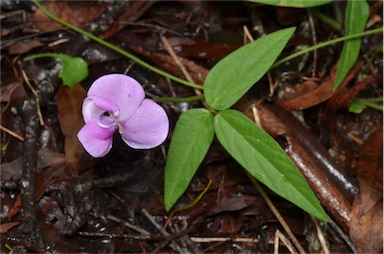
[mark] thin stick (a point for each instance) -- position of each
(277, 214)
(98, 234)
(173, 244)
(197, 239)
(320, 235)
(314, 40)
(12, 133)
(129, 225)
(172, 53)
(38, 109)
(285, 240)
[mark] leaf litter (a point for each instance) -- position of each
(77, 195)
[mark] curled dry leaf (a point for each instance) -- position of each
(309, 94)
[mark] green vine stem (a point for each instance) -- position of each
(327, 43)
(179, 100)
(375, 103)
(54, 55)
(113, 47)
(327, 20)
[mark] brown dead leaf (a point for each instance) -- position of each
(78, 13)
(370, 164)
(366, 228)
(7, 226)
(55, 172)
(14, 169)
(12, 94)
(24, 46)
(236, 203)
(69, 103)
(307, 94)
(15, 209)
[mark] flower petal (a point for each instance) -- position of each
(120, 89)
(147, 128)
(96, 140)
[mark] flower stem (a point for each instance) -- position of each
(327, 43)
(113, 47)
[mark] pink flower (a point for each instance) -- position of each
(117, 102)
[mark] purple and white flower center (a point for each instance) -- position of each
(109, 119)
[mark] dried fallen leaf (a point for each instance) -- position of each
(24, 46)
(15, 209)
(7, 226)
(366, 227)
(307, 94)
(69, 103)
(77, 13)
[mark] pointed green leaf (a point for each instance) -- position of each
(356, 16)
(293, 3)
(190, 142)
(264, 159)
(235, 74)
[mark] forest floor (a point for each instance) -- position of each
(57, 198)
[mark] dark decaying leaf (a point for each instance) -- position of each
(236, 203)
(366, 226)
(7, 226)
(14, 169)
(78, 14)
(69, 104)
(24, 46)
(366, 229)
(309, 94)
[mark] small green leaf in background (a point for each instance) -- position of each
(192, 137)
(356, 16)
(74, 70)
(293, 3)
(235, 74)
(356, 106)
(265, 160)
